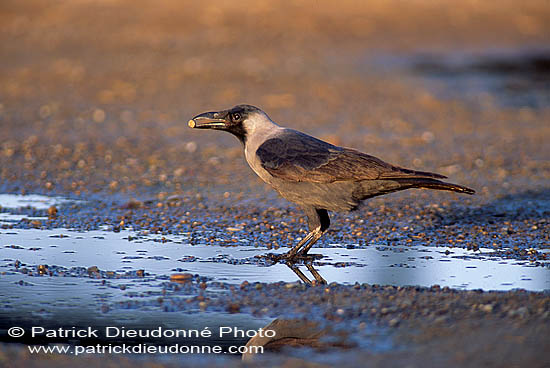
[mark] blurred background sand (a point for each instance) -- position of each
(95, 95)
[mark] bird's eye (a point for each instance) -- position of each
(236, 117)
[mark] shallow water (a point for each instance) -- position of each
(40, 202)
(11, 202)
(160, 256)
(70, 253)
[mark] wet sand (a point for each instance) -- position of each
(94, 100)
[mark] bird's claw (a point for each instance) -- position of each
(292, 258)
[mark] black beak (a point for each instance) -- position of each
(209, 120)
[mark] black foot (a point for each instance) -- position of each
(287, 258)
(307, 258)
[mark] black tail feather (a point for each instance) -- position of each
(430, 183)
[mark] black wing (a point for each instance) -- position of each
(296, 156)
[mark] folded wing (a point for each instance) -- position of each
(295, 156)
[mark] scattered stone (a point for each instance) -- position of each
(181, 277)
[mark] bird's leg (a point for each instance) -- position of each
(324, 222)
(292, 253)
(312, 238)
(318, 222)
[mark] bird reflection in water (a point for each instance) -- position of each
(318, 279)
(293, 264)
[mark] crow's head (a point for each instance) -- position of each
(240, 120)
